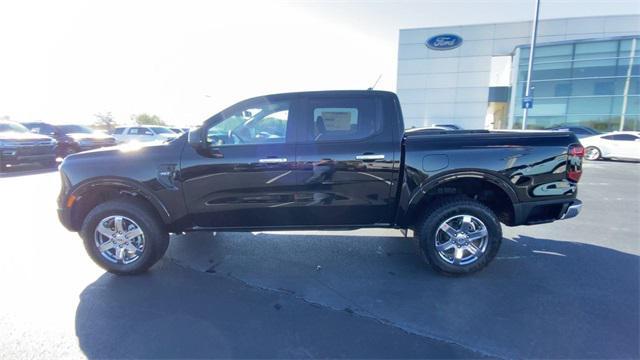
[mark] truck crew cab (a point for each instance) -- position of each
(320, 160)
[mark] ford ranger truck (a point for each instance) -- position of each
(320, 160)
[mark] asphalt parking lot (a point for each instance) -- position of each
(570, 289)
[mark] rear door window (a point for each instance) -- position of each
(624, 137)
(342, 119)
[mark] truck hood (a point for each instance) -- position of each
(10, 135)
(91, 136)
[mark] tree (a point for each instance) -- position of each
(147, 119)
(105, 122)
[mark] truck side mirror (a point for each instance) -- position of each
(196, 139)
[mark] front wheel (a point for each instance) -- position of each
(459, 236)
(124, 236)
(592, 153)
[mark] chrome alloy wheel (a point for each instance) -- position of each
(592, 153)
(119, 239)
(461, 240)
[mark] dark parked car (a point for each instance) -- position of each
(580, 131)
(19, 146)
(72, 138)
(321, 160)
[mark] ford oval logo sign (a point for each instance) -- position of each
(444, 42)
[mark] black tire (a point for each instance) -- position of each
(155, 236)
(592, 150)
(447, 208)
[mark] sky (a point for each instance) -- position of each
(64, 61)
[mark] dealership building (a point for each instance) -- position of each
(586, 71)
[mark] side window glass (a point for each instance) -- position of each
(118, 131)
(344, 119)
(133, 131)
(145, 131)
(625, 137)
(608, 137)
(260, 123)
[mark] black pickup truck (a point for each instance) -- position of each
(320, 160)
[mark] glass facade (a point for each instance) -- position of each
(587, 83)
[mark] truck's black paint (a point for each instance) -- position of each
(194, 186)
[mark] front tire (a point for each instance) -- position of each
(592, 153)
(124, 236)
(459, 236)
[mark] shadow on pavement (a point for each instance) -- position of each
(540, 298)
(174, 312)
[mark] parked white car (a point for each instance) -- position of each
(143, 134)
(624, 145)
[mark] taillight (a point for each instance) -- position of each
(574, 162)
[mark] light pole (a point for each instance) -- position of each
(527, 100)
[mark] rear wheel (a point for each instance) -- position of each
(592, 153)
(459, 236)
(124, 236)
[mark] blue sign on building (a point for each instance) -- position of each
(527, 102)
(444, 42)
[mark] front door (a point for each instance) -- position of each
(245, 177)
(346, 159)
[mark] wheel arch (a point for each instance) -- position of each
(489, 189)
(93, 192)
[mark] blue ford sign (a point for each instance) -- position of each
(444, 42)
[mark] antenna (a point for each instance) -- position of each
(375, 83)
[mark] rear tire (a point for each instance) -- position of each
(592, 153)
(458, 236)
(114, 247)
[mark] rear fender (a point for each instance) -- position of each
(415, 199)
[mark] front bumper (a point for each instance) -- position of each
(15, 158)
(64, 215)
(540, 212)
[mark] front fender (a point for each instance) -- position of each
(126, 185)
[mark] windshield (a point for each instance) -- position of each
(12, 127)
(75, 129)
(161, 130)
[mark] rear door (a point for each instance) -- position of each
(245, 178)
(345, 161)
(627, 146)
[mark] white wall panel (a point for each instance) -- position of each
(469, 110)
(474, 63)
(447, 80)
(473, 79)
(412, 81)
(472, 94)
(476, 47)
(585, 25)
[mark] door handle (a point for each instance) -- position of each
(273, 161)
(369, 157)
